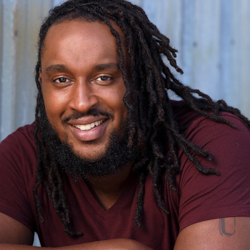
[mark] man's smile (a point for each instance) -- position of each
(88, 127)
(89, 131)
(83, 86)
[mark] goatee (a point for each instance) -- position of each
(117, 156)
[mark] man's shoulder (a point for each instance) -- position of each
(18, 154)
(19, 143)
(205, 197)
(17, 175)
(185, 116)
(22, 133)
(190, 120)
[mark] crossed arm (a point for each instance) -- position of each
(225, 233)
(16, 236)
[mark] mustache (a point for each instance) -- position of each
(92, 112)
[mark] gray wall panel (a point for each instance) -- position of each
(1, 59)
(8, 86)
(21, 68)
(226, 49)
(213, 39)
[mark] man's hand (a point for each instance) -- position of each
(225, 233)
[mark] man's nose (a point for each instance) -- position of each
(83, 97)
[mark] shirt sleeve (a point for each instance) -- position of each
(15, 178)
(205, 197)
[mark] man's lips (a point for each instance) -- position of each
(89, 126)
(88, 131)
(86, 120)
(91, 116)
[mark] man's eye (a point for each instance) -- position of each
(61, 80)
(104, 78)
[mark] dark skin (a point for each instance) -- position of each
(212, 235)
(108, 189)
(72, 82)
(92, 79)
(68, 87)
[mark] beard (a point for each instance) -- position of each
(118, 154)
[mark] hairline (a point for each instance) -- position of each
(90, 18)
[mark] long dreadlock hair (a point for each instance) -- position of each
(150, 114)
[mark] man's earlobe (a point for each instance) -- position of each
(40, 77)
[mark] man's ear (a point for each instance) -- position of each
(40, 78)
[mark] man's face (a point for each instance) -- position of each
(82, 85)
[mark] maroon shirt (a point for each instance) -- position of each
(198, 197)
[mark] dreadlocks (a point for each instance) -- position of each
(150, 116)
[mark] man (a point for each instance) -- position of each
(111, 162)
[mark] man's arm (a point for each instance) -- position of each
(14, 232)
(225, 233)
(15, 236)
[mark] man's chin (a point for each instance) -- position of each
(80, 163)
(88, 155)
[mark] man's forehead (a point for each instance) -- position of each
(82, 20)
(87, 36)
(98, 67)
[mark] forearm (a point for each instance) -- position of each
(115, 244)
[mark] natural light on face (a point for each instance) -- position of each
(82, 85)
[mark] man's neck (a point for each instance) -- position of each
(107, 189)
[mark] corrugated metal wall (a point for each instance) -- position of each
(212, 36)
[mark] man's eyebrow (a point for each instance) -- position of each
(56, 67)
(106, 66)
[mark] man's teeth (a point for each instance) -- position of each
(89, 126)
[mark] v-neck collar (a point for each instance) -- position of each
(125, 199)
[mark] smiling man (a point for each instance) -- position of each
(110, 161)
(83, 92)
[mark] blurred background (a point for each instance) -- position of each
(212, 36)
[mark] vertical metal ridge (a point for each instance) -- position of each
(8, 89)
